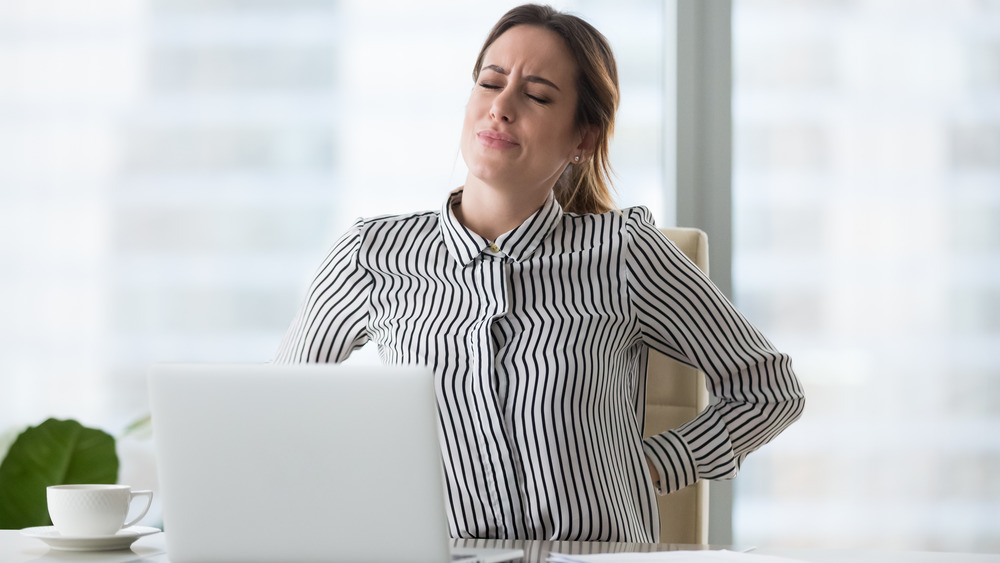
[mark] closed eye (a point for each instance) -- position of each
(537, 99)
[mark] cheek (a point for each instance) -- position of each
(473, 111)
(561, 137)
(468, 121)
(467, 129)
(470, 115)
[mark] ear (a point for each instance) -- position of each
(588, 141)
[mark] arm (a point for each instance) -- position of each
(684, 316)
(332, 322)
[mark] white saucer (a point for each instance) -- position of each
(122, 540)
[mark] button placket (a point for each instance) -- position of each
(493, 452)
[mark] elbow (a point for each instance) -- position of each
(798, 406)
(796, 401)
(786, 412)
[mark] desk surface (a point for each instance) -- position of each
(17, 548)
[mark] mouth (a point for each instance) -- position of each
(496, 139)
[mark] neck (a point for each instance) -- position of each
(491, 212)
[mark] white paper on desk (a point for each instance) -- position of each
(707, 556)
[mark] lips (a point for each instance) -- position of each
(496, 139)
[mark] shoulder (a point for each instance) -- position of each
(366, 229)
(638, 216)
(389, 225)
(615, 229)
(615, 226)
(642, 234)
(616, 219)
(634, 213)
(398, 221)
(639, 223)
(396, 233)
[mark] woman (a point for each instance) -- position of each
(535, 304)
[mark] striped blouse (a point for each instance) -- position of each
(538, 343)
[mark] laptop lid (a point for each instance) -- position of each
(299, 463)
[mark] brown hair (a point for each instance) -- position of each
(584, 187)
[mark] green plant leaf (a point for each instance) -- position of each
(56, 452)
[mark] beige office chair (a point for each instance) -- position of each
(675, 394)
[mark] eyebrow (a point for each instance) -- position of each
(529, 78)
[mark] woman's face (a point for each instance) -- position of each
(519, 131)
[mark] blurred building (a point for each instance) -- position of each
(866, 193)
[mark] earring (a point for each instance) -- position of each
(576, 158)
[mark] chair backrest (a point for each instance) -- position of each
(675, 394)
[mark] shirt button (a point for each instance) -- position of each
(494, 248)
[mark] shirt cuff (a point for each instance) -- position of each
(707, 439)
(673, 462)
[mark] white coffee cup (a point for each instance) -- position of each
(93, 510)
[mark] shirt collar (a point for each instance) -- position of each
(518, 243)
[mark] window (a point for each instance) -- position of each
(173, 171)
(866, 204)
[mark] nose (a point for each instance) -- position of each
(502, 108)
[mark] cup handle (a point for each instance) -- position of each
(149, 502)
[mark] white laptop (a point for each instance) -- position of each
(301, 463)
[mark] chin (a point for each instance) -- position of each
(486, 172)
(484, 176)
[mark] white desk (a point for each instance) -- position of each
(16, 548)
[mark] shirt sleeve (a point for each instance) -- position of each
(755, 394)
(332, 322)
